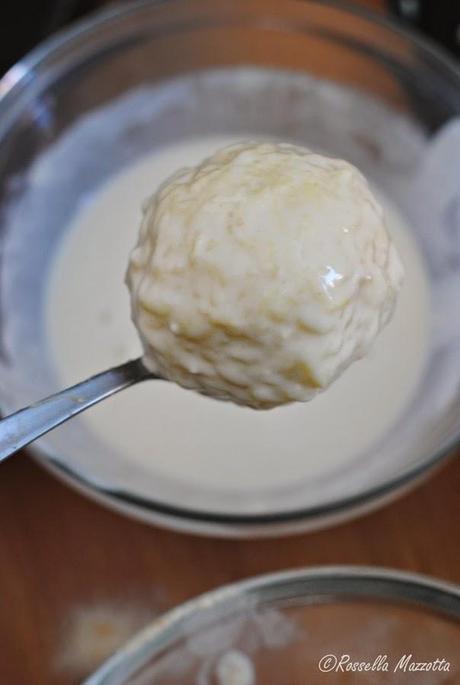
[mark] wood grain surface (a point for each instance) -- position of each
(71, 571)
(77, 580)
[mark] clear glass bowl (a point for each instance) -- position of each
(300, 627)
(340, 79)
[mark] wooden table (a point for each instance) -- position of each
(76, 580)
(75, 577)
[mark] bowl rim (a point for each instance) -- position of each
(222, 524)
(196, 520)
(95, 19)
(324, 583)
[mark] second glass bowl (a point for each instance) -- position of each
(335, 625)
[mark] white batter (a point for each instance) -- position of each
(193, 438)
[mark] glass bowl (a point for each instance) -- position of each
(301, 626)
(97, 97)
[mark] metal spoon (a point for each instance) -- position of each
(26, 425)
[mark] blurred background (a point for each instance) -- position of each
(439, 19)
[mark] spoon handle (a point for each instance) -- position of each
(19, 429)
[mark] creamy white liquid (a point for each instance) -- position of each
(179, 434)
